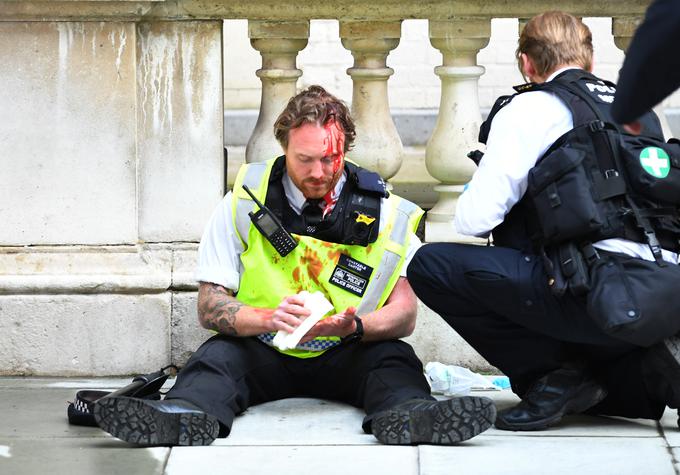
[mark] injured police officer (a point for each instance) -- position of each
(576, 301)
(301, 237)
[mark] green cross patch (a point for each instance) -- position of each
(655, 161)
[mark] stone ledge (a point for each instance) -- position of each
(97, 270)
(84, 335)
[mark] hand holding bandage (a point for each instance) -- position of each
(318, 305)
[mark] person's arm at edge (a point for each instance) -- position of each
(649, 72)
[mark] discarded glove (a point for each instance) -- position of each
(453, 380)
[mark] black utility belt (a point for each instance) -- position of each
(628, 298)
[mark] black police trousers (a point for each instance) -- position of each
(226, 375)
(499, 301)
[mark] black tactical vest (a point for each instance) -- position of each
(596, 181)
(347, 223)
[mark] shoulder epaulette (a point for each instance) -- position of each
(529, 86)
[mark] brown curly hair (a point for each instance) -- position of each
(314, 105)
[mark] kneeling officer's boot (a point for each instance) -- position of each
(558, 393)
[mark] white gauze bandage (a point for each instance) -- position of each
(318, 305)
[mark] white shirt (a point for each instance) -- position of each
(219, 254)
(521, 133)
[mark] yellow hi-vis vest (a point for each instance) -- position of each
(268, 278)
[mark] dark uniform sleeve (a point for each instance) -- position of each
(651, 70)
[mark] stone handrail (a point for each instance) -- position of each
(387, 10)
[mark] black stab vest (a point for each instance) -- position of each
(361, 195)
(589, 185)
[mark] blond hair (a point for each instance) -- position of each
(317, 106)
(553, 39)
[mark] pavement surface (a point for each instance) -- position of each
(298, 436)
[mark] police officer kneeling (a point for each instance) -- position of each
(308, 221)
(576, 302)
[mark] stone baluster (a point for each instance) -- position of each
(377, 146)
(459, 118)
(623, 29)
(278, 43)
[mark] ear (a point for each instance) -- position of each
(528, 66)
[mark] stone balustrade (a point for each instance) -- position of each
(111, 155)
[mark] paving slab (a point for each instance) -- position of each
(329, 460)
(312, 421)
(549, 455)
(79, 456)
(36, 408)
(298, 435)
(669, 426)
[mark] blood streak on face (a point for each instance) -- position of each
(335, 149)
(335, 143)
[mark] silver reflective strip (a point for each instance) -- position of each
(389, 260)
(400, 229)
(378, 282)
(252, 180)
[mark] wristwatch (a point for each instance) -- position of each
(358, 333)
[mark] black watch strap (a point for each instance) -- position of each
(358, 333)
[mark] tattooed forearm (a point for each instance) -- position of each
(217, 308)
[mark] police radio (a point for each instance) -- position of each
(271, 228)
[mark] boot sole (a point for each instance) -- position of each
(136, 422)
(447, 423)
(573, 407)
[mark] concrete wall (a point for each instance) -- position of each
(110, 141)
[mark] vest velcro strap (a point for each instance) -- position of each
(613, 185)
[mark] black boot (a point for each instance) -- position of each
(558, 393)
(422, 421)
(150, 423)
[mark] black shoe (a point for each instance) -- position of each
(152, 423)
(422, 421)
(561, 392)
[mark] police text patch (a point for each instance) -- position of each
(351, 275)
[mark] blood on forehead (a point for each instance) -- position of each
(334, 143)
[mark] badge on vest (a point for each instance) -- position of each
(600, 91)
(351, 275)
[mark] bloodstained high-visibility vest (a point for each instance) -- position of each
(347, 275)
